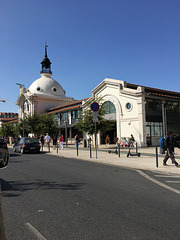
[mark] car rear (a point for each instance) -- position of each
(31, 145)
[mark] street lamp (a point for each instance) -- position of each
(66, 122)
(3, 101)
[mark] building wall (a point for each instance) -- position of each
(129, 121)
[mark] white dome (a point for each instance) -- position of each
(47, 86)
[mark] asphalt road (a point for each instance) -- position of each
(50, 198)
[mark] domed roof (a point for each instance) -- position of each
(47, 86)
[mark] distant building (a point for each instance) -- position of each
(7, 117)
(67, 115)
(44, 93)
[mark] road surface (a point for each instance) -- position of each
(51, 198)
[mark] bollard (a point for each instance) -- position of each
(57, 147)
(49, 146)
(156, 156)
(119, 149)
(136, 148)
(42, 148)
(77, 149)
(90, 150)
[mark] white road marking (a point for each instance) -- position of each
(40, 210)
(35, 232)
(173, 181)
(168, 176)
(158, 182)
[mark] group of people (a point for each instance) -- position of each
(118, 141)
(46, 140)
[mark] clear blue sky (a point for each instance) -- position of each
(133, 40)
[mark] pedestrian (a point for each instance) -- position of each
(77, 140)
(61, 142)
(54, 142)
(169, 144)
(10, 141)
(117, 141)
(47, 140)
(107, 141)
(131, 141)
(42, 141)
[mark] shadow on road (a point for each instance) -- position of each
(14, 155)
(16, 188)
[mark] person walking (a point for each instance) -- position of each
(131, 141)
(169, 144)
(61, 142)
(54, 142)
(10, 141)
(42, 141)
(47, 140)
(107, 141)
(77, 139)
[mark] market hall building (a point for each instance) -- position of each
(147, 113)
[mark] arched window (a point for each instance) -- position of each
(109, 107)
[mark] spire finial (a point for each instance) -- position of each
(46, 49)
(46, 64)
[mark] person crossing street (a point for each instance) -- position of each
(169, 144)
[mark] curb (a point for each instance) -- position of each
(115, 165)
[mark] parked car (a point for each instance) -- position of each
(27, 144)
(4, 154)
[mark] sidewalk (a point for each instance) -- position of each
(147, 160)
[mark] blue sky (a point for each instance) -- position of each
(133, 40)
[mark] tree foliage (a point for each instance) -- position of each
(86, 123)
(35, 124)
(7, 130)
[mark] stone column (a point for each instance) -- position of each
(142, 120)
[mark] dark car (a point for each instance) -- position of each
(4, 154)
(27, 144)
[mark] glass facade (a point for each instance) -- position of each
(172, 115)
(75, 115)
(64, 117)
(109, 107)
(153, 110)
(155, 116)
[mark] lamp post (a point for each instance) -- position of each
(66, 122)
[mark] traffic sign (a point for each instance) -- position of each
(95, 106)
(95, 116)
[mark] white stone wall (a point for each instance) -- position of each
(129, 121)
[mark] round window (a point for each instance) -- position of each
(54, 89)
(38, 88)
(128, 106)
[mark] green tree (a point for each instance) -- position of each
(86, 123)
(48, 125)
(7, 130)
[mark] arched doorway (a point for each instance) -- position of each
(110, 116)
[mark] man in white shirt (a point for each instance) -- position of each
(47, 140)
